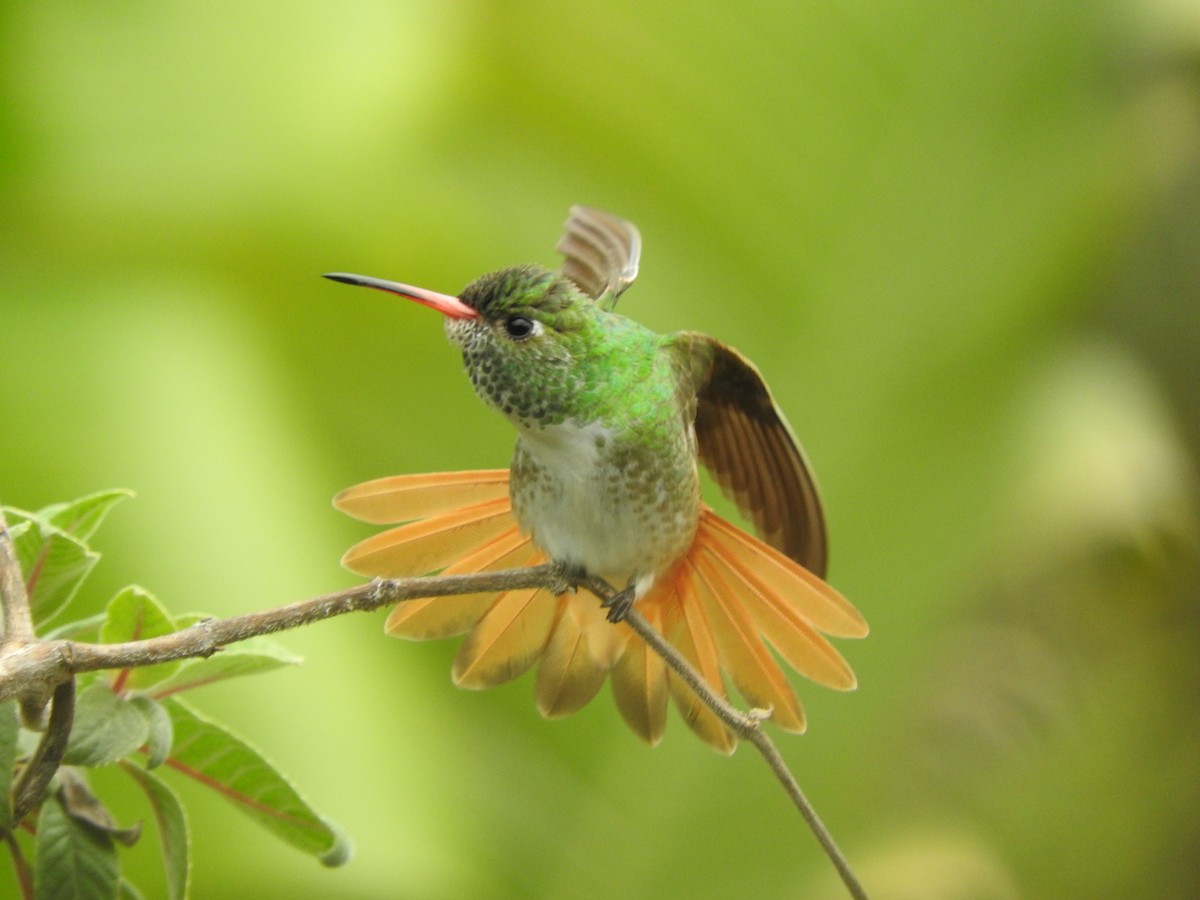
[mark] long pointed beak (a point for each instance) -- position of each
(448, 306)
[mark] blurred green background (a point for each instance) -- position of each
(960, 240)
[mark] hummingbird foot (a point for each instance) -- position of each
(619, 604)
(566, 578)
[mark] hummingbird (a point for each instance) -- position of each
(613, 421)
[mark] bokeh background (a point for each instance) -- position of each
(960, 240)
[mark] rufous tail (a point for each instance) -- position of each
(724, 606)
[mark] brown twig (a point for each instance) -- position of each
(745, 725)
(34, 668)
(38, 666)
(31, 788)
(14, 601)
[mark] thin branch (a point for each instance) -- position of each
(14, 601)
(36, 667)
(29, 791)
(32, 669)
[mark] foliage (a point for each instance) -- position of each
(133, 720)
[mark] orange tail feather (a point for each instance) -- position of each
(581, 651)
(427, 545)
(639, 684)
(811, 597)
(508, 639)
(716, 605)
(749, 663)
(432, 618)
(686, 627)
(773, 610)
(402, 498)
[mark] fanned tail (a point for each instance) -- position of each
(723, 606)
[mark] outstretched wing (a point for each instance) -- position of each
(746, 444)
(602, 253)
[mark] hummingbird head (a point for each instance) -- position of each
(525, 334)
(526, 350)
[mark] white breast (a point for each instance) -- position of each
(573, 509)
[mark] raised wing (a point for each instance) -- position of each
(746, 444)
(602, 253)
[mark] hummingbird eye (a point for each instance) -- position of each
(521, 327)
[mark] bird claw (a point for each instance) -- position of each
(619, 604)
(566, 579)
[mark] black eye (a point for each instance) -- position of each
(519, 327)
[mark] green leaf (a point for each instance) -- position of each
(106, 727)
(248, 657)
(74, 861)
(54, 564)
(215, 757)
(77, 629)
(162, 731)
(133, 615)
(172, 829)
(83, 516)
(9, 731)
(52, 550)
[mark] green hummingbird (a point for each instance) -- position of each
(612, 422)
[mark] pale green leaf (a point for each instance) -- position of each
(106, 727)
(74, 861)
(82, 517)
(54, 564)
(172, 829)
(249, 657)
(208, 752)
(133, 615)
(77, 630)
(161, 730)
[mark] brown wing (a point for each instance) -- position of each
(601, 253)
(748, 447)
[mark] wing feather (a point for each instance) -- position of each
(602, 253)
(746, 444)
